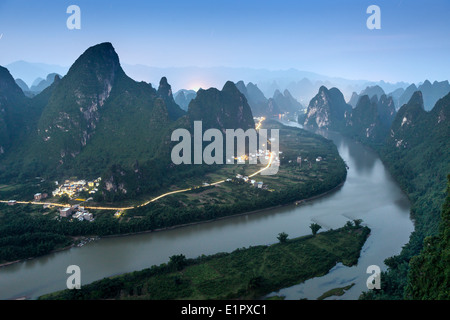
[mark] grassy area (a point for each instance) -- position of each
(245, 273)
(335, 292)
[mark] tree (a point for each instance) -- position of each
(357, 222)
(255, 282)
(282, 237)
(178, 261)
(64, 199)
(349, 224)
(314, 228)
(83, 194)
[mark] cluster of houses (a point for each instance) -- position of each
(71, 188)
(76, 212)
(253, 157)
(259, 184)
(299, 160)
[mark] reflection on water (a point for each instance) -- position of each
(363, 158)
(369, 193)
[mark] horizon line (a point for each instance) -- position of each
(318, 75)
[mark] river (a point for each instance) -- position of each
(369, 193)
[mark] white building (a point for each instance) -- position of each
(65, 212)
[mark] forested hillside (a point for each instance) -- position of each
(417, 153)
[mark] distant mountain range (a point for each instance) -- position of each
(261, 106)
(38, 86)
(286, 102)
(302, 85)
(431, 92)
(183, 97)
(374, 113)
(370, 91)
(30, 71)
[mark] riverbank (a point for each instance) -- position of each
(247, 273)
(31, 258)
(297, 202)
(74, 244)
(79, 239)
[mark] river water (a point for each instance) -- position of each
(369, 193)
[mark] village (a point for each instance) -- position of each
(76, 189)
(73, 188)
(259, 184)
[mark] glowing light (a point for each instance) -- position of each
(196, 86)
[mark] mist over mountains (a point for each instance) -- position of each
(273, 93)
(183, 97)
(302, 85)
(28, 72)
(38, 85)
(432, 92)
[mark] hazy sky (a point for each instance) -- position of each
(329, 37)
